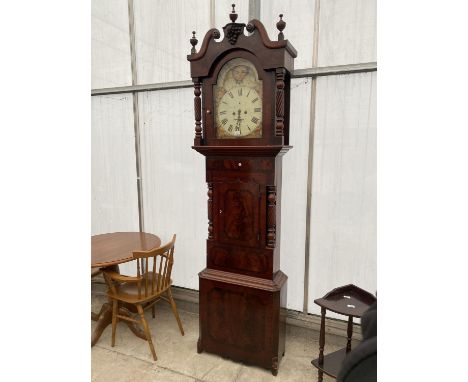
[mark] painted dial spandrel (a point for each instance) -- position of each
(238, 101)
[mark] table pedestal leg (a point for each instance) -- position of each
(95, 317)
(104, 319)
(321, 344)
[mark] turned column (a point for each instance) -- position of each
(321, 344)
(350, 334)
(197, 107)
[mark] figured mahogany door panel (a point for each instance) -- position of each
(237, 319)
(237, 213)
(245, 260)
(240, 323)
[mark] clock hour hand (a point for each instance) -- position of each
(238, 120)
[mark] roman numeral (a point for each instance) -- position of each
(222, 112)
(255, 100)
(248, 127)
(231, 95)
(248, 93)
(255, 120)
(257, 110)
(230, 128)
(239, 92)
(224, 121)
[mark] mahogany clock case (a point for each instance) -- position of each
(242, 289)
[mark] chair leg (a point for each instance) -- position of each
(152, 311)
(147, 331)
(114, 320)
(174, 310)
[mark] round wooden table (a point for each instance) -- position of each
(108, 251)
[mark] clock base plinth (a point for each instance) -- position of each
(243, 318)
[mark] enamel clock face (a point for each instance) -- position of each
(238, 101)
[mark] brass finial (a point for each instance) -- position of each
(233, 14)
(280, 25)
(194, 42)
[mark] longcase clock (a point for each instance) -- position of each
(242, 84)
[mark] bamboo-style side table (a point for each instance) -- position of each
(350, 301)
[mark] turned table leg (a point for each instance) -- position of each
(350, 334)
(321, 344)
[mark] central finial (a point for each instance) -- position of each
(281, 25)
(233, 14)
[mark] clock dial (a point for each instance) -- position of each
(238, 101)
(239, 113)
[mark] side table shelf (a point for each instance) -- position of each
(331, 362)
(350, 301)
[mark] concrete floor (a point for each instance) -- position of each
(178, 361)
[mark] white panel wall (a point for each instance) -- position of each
(162, 33)
(347, 32)
(294, 194)
(114, 197)
(342, 226)
(343, 221)
(110, 44)
(299, 17)
(223, 8)
(174, 188)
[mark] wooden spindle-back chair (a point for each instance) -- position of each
(151, 284)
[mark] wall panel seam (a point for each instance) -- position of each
(313, 93)
(136, 116)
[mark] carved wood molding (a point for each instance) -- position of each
(271, 216)
(252, 26)
(248, 281)
(233, 31)
(197, 107)
(210, 211)
(279, 125)
(256, 24)
(213, 33)
(252, 151)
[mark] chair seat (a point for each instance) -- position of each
(128, 291)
